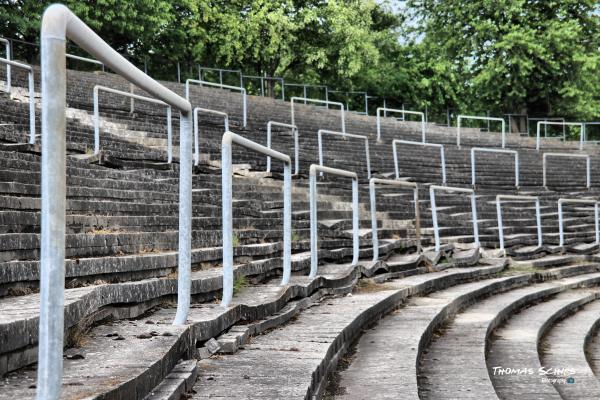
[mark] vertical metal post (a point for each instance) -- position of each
(296, 151)
(474, 216)
(287, 223)
(31, 107)
(8, 69)
(53, 190)
(327, 96)
(596, 223)
(500, 227)
(314, 232)
(458, 132)
(443, 159)
(355, 223)
(96, 122)
(417, 218)
(178, 72)
(282, 90)
(538, 218)
(226, 194)
(374, 221)
(366, 104)
(221, 77)
(560, 225)
(305, 93)
(169, 137)
(145, 65)
(320, 146)
(131, 99)
(262, 86)
(368, 158)
(184, 272)
(517, 169)
(378, 120)
(588, 168)
(434, 220)
(473, 166)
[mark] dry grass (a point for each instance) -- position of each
(370, 286)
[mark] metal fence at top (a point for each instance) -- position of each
(320, 133)
(202, 74)
(402, 184)
(561, 220)
(408, 142)
(475, 117)
(222, 86)
(229, 138)
(99, 88)
(29, 70)
(347, 95)
(58, 24)
(513, 198)
(564, 125)
(294, 130)
(198, 110)
(588, 165)
(262, 80)
(487, 150)
(314, 232)
(317, 101)
(305, 88)
(403, 112)
(7, 56)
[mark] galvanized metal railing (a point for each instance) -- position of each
(402, 184)
(99, 88)
(320, 133)
(29, 70)
(461, 117)
(487, 150)
(197, 128)
(306, 86)
(58, 24)
(588, 165)
(314, 232)
(227, 198)
(222, 86)
(564, 125)
(238, 72)
(262, 80)
(347, 95)
(8, 56)
(561, 219)
(513, 198)
(408, 142)
(85, 59)
(392, 110)
(294, 129)
(436, 230)
(333, 103)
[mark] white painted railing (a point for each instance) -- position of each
(222, 86)
(588, 165)
(294, 129)
(407, 142)
(563, 124)
(198, 110)
(436, 230)
(317, 101)
(320, 134)
(487, 150)
(392, 110)
(31, 93)
(561, 221)
(512, 198)
(461, 117)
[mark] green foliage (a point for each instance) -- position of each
(235, 240)
(239, 283)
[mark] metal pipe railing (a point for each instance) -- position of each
(262, 80)
(508, 197)
(403, 184)
(58, 24)
(392, 110)
(436, 231)
(395, 142)
(220, 71)
(305, 86)
(561, 219)
(8, 56)
(29, 70)
(588, 165)
(347, 94)
(534, 119)
(197, 128)
(99, 88)
(227, 198)
(333, 103)
(320, 133)
(461, 117)
(219, 85)
(511, 116)
(314, 257)
(487, 150)
(85, 59)
(294, 129)
(564, 125)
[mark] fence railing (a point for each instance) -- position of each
(408, 142)
(229, 138)
(202, 69)
(561, 221)
(222, 86)
(564, 125)
(305, 92)
(487, 150)
(262, 80)
(448, 189)
(58, 24)
(588, 165)
(307, 100)
(320, 133)
(198, 110)
(461, 117)
(402, 184)
(347, 96)
(294, 129)
(29, 70)
(513, 198)
(392, 110)
(7, 56)
(314, 231)
(85, 59)
(535, 119)
(585, 131)
(99, 88)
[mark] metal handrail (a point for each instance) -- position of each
(488, 150)
(563, 124)
(85, 59)
(58, 23)
(588, 165)
(349, 92)
(437, 145)
(393, 110)
(294, 129)
(436, 231)
(404, 184)
(461, 117)
(222, 86)
(220, 71)
(262, 83)
(99, 88)
(305, 86)
(7, 57)
(509, 197)
(517, 115)
(333, 103)
(196, 129)
(29, 70)
(314, 257)
(585, 125)
(320, 133)
(226, 176)
(561, 220)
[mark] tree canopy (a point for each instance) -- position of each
(539, 57)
